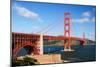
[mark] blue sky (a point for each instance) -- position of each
(30, 17)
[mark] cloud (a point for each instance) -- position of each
(92, 36)
(86, 17)
(93, 19)
(83, 20)
(35, 27)
(22, 11)
(86, 14)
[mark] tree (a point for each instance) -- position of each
(26, 61)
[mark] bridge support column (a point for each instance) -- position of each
(41, 44)
(84, 39)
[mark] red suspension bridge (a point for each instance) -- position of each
(22, 40)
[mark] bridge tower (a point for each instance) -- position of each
(67, 30)
(84, 38)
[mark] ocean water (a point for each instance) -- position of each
(80, 53)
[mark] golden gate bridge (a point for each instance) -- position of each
(21, 40)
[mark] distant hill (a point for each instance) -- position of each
(91, 42)
(60, 42)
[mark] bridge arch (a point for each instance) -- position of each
(25, 50)
(33, 48)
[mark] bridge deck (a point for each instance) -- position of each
(37, 36)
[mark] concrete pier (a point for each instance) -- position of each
(68, 50)
(45, 59)
(41, 44)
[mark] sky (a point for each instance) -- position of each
(47, 18)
